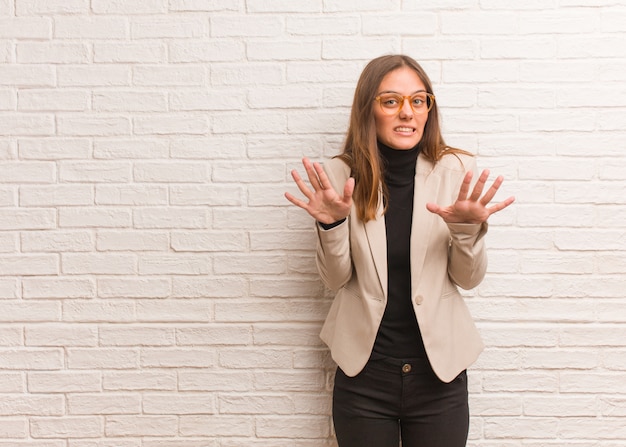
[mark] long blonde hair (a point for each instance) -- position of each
(360, 150)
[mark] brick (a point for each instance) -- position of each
(312, 427)
(264, 50)
(213, 195)
(53, 148)
(201, 5)
(103, 358)
(255, 404)
(321, 25)
(136, 336)
(364, 5)
(212, 241)
(67, 427)
(29, 265)
(31, 359)
(131, 241)
(225, 74)
(222, 426)
(169, 27)
(61, 336)
(104, 403)
(22, 124)
(96, 76)
(90, 27)
(14, 428)
(215, 334)
(95, 263)
(240, 26)
(142, 53)
(64, 382)
(192, 100)
(217, 287)
(216, 380)
(173, 358)
(44, 7)
(133, 287)
(56, 241)
(16, 405)
(131, 195)
(114, 149)
(202, 51)
(51, 100)
(44, 288)
(172, 217)
(174, 310)
(190, 124)
(174, 264)
(52, 53)
(116, 7)
(98, 311)
(57, 195)
(10, 336)
(208, 148)
(130, 101)
(25, 28)
(171, 403)
(168, 75)
(93, 217)
(136, 381)
(130, 426)
(93, 125)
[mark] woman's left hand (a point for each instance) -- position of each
(472, 208)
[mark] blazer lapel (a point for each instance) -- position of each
(427, 183)
(377, 240)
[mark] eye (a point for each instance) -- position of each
(419, 100)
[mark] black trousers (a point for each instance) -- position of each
(393, 400)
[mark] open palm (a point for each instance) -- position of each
(324, 204)
(472, 208)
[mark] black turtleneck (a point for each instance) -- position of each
(399, 335)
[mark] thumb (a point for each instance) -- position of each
(433, 207)
(348, 190)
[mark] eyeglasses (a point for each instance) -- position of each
(392, 103)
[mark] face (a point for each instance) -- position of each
(401, 130)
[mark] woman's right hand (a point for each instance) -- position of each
(324, 204)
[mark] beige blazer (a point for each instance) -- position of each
(352, 261)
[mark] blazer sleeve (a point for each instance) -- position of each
(467, 255)
(333, 257)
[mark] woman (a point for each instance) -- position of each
(398, 231)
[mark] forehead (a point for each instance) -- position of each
(401, 80)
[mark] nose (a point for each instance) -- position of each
(406, 111)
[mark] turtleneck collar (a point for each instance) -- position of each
(398, 165)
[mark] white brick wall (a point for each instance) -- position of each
(156, 289)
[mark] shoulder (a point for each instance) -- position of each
(456, 161)
(337, 168)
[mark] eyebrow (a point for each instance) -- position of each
(398, 93)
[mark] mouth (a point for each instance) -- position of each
(405, 130)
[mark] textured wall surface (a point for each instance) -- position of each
(157, 290)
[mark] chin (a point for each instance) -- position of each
(403, 145)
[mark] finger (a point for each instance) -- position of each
(465, 186)
(433, 208)
(310, 171)
(491, 192)
(301, 185)
(322, 177)
(348, 190)
(296, 201)
(480, 185)
(501, 205)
